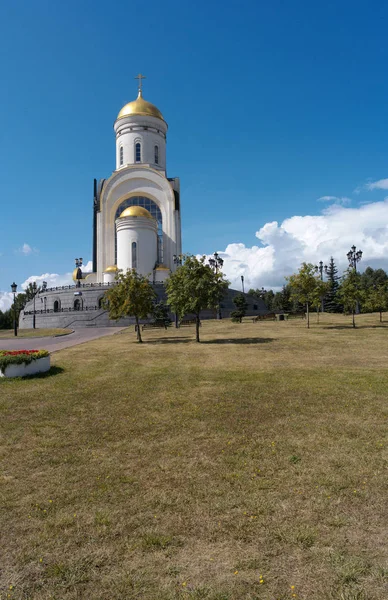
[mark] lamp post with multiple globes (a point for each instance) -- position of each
(216, 263)
(354, 256)
(319, 268)
(14, 287)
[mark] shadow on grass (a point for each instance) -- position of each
(190, 340)
(380, 326)
(52, 371)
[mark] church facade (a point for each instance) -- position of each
(136, 224)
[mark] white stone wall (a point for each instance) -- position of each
(136, 181)
(142, 231)
(149, 131)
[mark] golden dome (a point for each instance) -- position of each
(136, 211)
(140, 107)
(77, 274)
(111, 269)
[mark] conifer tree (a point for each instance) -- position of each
(332, 304)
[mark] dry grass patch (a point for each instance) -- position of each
(235, 468)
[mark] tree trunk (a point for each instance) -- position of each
(381, 316)
(308, 315)
(317, 314)
(138, 331)
(353, 319)
(197, 328)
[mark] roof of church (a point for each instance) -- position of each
(140, 107)
(136, 211)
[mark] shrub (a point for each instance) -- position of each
(18, 357)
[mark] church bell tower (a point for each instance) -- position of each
(137, 221)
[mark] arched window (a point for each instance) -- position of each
(156, 155)
(77, 304)
(56, 306)
(155, 211)
(101, 298)
(134, 255)
(121, 156)
(137, 152)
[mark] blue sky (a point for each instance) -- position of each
(270, 106)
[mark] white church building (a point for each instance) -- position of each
(136, 225)
(137, 222)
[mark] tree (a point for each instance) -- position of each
(195, 287)
(160, 314)
(306, 286)
(6, 319)
(331, 300)
(132, 296)
(375, 299)
(241, 308)
(266, 295)
(350, 292)
(319, 293)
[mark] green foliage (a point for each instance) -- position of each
(267, 296)
(350, 292)
(19, 357)
(132, 296)
(195, 287)
(375, 299)
(332, 304)
(6, 319)
(160, 313)
(241, 308)
(306, 287)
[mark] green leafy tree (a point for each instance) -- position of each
(320, 292)
(283, 301)
(375, 299)
(350, 292)
(132, 296)
(241, 308)
(194, 287)
(332, 304)
(305, 287)
(6, 319)
(266, 295)
(373, 277)
(160, 314)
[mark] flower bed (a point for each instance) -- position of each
(18, 363)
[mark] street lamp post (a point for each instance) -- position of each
(242, 283)
(15, 326)
(216, 263)
(177, 259)
(354, 256)
(320, 269)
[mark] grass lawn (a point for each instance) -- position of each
(250, 466)
(6, 334)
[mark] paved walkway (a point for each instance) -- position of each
(58, 343)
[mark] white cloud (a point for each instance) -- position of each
(342, 201)
(26, 249)
(310, 238)
(6, 299)
(381, 184)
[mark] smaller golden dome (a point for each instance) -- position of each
(111, 269)
(140, 107)
(77, 274)
(136, 211)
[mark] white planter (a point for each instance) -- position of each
(40, 365)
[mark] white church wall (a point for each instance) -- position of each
(142, 232)
(142, 181)
(150, 132)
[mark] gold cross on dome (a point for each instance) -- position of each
(140, 77)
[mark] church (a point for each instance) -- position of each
(136, 225)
